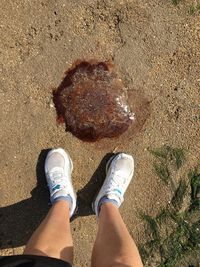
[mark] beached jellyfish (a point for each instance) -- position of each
(92, 102)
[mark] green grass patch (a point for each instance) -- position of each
(175, 2)
(194, 177)
(179, 194)
(167, 159)
(174, 234)
(193, 9)
(153, 225)
(162, 172)
(160, 152)
(178, 155)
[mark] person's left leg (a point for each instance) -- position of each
(53, 237)
(114, 246)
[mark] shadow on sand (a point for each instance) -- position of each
(18, 221)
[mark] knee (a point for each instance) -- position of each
(126, 262)
(121, 265)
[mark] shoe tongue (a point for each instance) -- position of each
(56, 172)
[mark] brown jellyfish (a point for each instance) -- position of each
(92, 102)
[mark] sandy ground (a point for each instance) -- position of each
(155, 48)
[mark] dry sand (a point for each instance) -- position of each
(155, 47)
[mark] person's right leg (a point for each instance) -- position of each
(53, 237)
(114, 246)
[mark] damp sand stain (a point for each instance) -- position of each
(93, 102)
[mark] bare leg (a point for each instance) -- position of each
(114, 245)
(53, 237)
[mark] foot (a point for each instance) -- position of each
(58, 169)
(119, 172)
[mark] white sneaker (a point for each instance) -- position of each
(119, 172)
(58, 169)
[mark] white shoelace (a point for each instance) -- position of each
(113, 184)
(56, 178)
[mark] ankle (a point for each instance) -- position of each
(107, 206)
(61, 203)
